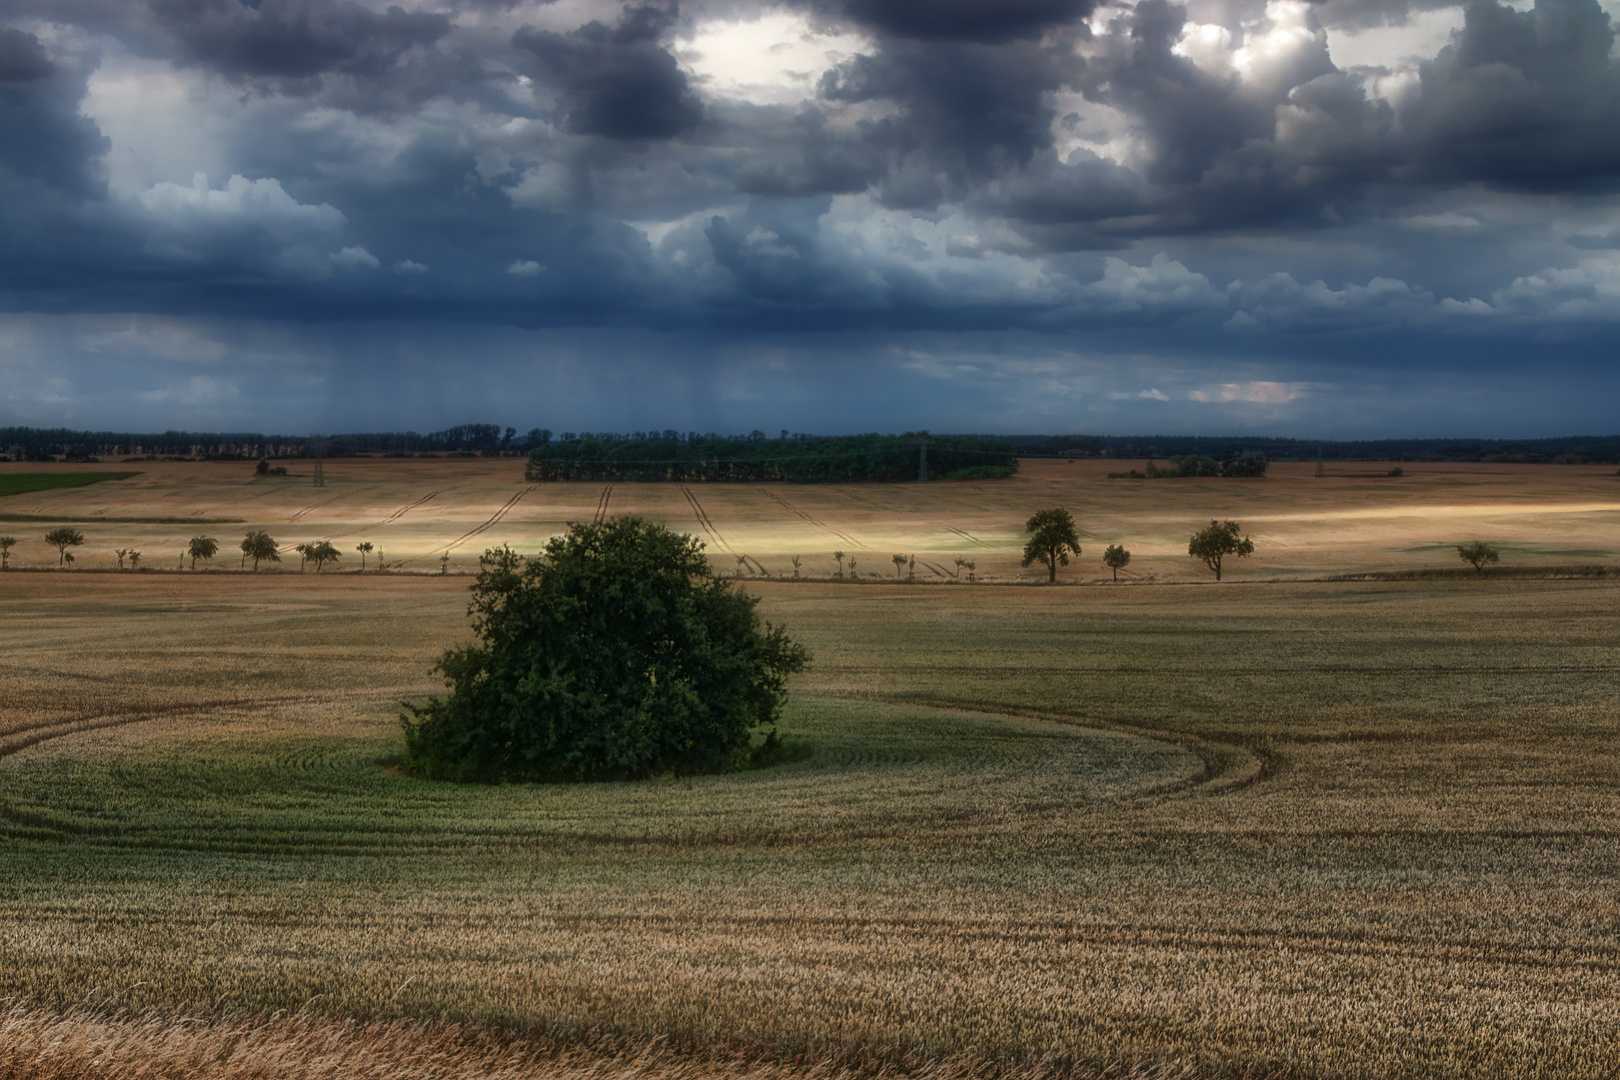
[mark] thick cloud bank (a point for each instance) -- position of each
(1172, 196)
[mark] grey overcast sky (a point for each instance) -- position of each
(1349, 218)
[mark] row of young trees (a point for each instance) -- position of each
(257, 545)
(1054, 537)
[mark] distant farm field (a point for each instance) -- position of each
(421, 514)
(1364, 829)
(21, 483)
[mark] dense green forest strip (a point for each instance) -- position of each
(801, 459)
(22, 483)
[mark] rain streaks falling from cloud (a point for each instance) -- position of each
(1183, 207)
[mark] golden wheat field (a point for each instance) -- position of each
(416, 511)
(1278, 827)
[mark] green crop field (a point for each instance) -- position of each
(21, 483)
(1363, 829)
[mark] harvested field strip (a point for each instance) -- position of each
(869, 501)
(315, 506)
(94, 520)
(15, 739)
(390, 519)
(489, 523)
(114, 1044)
(818, 523)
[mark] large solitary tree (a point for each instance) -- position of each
(1052, 540)
(617, 654)
(1221, 539)
(61, 539)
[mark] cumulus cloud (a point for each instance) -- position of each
(245, 226)
(355, 258)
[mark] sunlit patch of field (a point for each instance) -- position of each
(417, 511)
(1296, 829)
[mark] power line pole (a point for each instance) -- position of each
(320, 473)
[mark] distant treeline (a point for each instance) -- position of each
(796, 458)
(41, 444)
(1574, 449)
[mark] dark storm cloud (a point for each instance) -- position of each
(617, 82)
(510, 204)
(971, 111)
(44, 141)
(1522, 99)
(964, 20)
(297, 39)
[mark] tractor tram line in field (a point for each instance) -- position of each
(391, 518)
(817, 522)
(493, 520)
(703, 520)
(969, 537)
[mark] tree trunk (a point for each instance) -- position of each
(1051, 571)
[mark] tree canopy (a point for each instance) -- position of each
(259, 547)
(1053, 538)
(61, 539)
(617, 654)
(1116, 558)
(1221, 539)
(1477, 553)
(202, 547)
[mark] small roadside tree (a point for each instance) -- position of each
(320, 553)
(119, 554)
(1477, 553)
(839, 555)
(1052, 539)
(6, 544)
(364, 549)
(259, 547)
(202, 547)
(61, 539)
(134, 559)
(1221, 539)
(618, 654)
(1116, 558)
